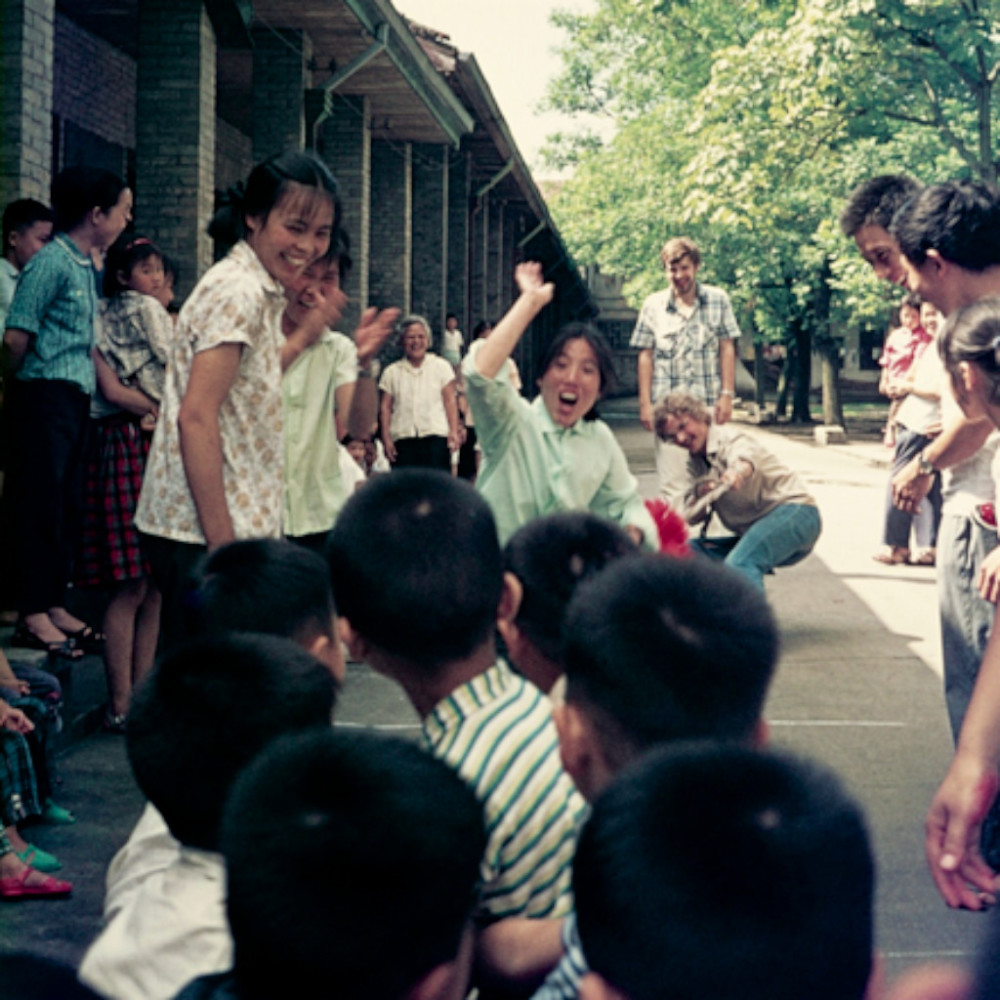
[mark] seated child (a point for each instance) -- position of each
(657, 650)
(368, 888)
(207, 709)
(257, 585)
(711, 870)
(418, 580)
(548, 558)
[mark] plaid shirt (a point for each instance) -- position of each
(686, 350)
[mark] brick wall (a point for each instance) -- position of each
(280, 79)
(26, 56)
(94, 84)
(343, 141)
(233, 155)
(429, 234)
(457, 274)
(391, 221)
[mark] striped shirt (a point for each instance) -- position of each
(56, 302)
(496, 731)
(686, 348)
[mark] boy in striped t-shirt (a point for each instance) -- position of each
(418, 580)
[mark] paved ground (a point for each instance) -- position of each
(858, 688)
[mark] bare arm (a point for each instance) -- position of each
(646, 387)
(213, 373)
(325, 313)
(518, 952)
(385, 417)
(15, 346)
(727, 373)
(535, 295)
(451, 412)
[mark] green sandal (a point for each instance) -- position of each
(38, 859)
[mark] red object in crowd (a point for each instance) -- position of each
(671, 528)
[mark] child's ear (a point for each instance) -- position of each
(595, 987)
(329, 651)
(510, 598)
(761, 736)
(356, 646)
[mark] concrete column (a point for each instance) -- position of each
(175, 131)
(280, 80)
(457, 266)
(343, 142)
(26, 56)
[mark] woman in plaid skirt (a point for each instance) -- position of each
(132, 337)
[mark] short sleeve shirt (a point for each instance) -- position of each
(417, 404)
(8, 282)
(236, 302)
(686, 348)
(314, 488)
(56, 302)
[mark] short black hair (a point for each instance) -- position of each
(261, 585)
(660, 649)
(206, 710)
(551, 556)
(21, 214)
(368, 880)
(123, 255)
(602, 352)
(415, 564)
(958, 219)
(875, 201)
(711, 870)
(38, 977)
(78, 190)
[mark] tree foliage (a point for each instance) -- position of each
(746, 124)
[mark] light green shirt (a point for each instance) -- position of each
(532, 466)
(314, 488)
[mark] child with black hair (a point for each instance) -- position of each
(328, 389)
(712, 870)
(48, 346)
(257, 585)
(368, 887)
(215, 470)
(553, 453)
(548, 559)
(132, 345)
(203, 714)
(27, 227)
(423, 613)
(656, 650)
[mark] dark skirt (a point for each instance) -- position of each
(109, 543)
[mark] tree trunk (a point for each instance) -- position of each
(781, 403)
(833, 410)
(803, 373)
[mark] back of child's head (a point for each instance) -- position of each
(20, 214)
(37, 977)
(206, 710)
(368, 881)
(660, 649)
(265, 187)
(124, 255)
(711, 870)
(551, 556)
(76, 191)
(416, 569)
(262, 585)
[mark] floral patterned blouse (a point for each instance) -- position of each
(236, 302)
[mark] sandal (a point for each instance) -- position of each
(41, 861)
(113, 723)
(926, 558)
(53, 815)
(18, 887)
(87, 639)
(65, 649)
(893, 557)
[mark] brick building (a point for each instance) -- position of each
(183, 96)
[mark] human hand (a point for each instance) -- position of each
(988, 581)
(530, 280)
(909, 486)
(374, 327)
(390, 448)
(14, 719)
(952, 830)
(646, 415)
(738, 473)
(724, 409)
(148, 420)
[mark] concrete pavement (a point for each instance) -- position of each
(858, 688)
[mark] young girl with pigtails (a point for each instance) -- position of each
(215, 467)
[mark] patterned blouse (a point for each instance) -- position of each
(236, 302)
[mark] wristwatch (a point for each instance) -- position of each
(925, 465)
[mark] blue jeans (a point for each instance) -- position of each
(782, 537)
